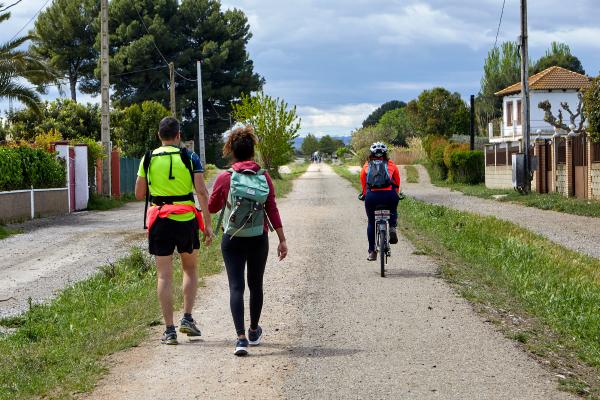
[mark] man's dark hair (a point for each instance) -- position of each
(168, 128)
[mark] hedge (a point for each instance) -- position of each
(23, 167)
(466, 166)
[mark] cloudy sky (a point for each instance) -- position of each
(338, 60)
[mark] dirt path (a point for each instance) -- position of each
(572, 231)
(333, 328)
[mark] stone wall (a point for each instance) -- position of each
(595, 173)
(561, 179)
(16, 206)
(498, 177)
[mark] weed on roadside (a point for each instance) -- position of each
(412, 175)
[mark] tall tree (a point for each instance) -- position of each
(500, 70)
(439, 112)
(17, 64)
(310, 144)
(329, 145)
(559, 54)
(275, 124)
(64, 35)
(399, 123)
(376, 115)
(145, 31)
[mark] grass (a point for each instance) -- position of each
(412, 175)
(542, 295)
(548, 201)
(6, 232)
(284, 185)
(103, 203)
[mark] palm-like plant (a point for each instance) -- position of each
(18, 65)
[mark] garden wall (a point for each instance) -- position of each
(595, 172)
(561, 179)
(16, 206)
(498, 177)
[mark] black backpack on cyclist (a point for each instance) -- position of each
(378, 175)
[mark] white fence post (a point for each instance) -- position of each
(32, 196)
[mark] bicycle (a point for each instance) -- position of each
(382, 237)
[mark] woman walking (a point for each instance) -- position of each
(246, 196)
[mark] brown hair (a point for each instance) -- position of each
(240, 144)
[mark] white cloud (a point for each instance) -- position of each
(335, 120)
(574, 36)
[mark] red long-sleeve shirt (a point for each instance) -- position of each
(218, 198)
(394, 174)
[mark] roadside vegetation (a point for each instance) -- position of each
(6, 232)
(284, 184)
(412, 175)
(540, 294)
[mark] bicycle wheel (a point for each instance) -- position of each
(382, 251)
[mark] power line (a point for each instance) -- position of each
(30, 19)
(158, 50)
(499, 23)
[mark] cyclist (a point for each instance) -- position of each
(380, 179)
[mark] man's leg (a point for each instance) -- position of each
(164, 266)
(190, 280)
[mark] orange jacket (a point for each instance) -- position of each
(164, 211)
(394, 174)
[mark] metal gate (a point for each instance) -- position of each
(128, 174)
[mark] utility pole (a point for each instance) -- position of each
(200, 139)
(472, 131)
(172, 89)
(105, 113)
(525, 104)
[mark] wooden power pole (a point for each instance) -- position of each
(105, 85)
(525, 103)
(172, 89)
(200, 139)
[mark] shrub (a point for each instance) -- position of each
(450, 149)
(43, 140)
(591, 108)
(437, 146)
(466, 166)
(23, 167)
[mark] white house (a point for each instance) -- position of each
(556, 85)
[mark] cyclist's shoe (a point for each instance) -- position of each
(241, 347)
(254, 337)
(372, 256)
(189, 327)
(169, 337)
(393, 235)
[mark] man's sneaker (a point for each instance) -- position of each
(169, 337)
(393, 235)
(372, 256)
(254, 337)
(241, 347)
(189, 327)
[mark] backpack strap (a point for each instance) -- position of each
(146, 166)
(222, 214)
(187, 161)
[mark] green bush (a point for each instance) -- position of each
(466, 166)
(436, 157)
(23, 167)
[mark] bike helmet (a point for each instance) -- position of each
(379, 149)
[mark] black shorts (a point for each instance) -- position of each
(167, 234)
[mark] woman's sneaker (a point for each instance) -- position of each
(189, 327)
(372, 256)
(169, 337)
(241, 347)
(254, 337)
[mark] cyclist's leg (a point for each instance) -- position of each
(393, 202)
(370, 204)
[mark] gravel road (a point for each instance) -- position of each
(575, 232)
(56, 252)
(333, 328)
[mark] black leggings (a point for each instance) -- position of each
(238, 251)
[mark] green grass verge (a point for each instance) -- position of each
(540, 294)
(6, 232)
(57, 349)
(284, 185)
(103, 203)
(549, 201)
(412, 175)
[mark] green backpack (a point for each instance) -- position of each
(244, 212)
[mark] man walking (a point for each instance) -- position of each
(171, 174)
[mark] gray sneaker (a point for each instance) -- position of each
(189, 327)
(169, 337)
(254, 337)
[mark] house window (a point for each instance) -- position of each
(509, 113)
(519, 113)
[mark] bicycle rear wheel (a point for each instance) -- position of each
(382, 251)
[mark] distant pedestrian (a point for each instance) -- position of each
(246, 197)
(171, 174)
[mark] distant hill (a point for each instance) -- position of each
(299, 140)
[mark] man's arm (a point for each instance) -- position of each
(202, 193)
(140, 188)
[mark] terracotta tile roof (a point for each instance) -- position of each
(553, 78)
